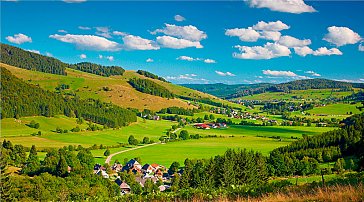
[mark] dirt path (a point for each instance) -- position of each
(108, 159)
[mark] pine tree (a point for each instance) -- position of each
(62, 167)
(32, 165)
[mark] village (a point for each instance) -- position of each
(157, 174)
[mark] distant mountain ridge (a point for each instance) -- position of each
(239, 90)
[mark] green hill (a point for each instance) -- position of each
(107, 83)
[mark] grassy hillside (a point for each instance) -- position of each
(308, 95)
(89, 85)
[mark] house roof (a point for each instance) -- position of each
(124, 186)
(145, 167)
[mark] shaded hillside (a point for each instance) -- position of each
(21, 99)
(239, 90)
(32, 61)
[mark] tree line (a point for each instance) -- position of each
(150, 87)
(33, 61)
(151, 75)
(98, 69)
(21, 99)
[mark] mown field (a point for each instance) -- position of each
(311, 94)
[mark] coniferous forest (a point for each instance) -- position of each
(150, 87)
(33, 61)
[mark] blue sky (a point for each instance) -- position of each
(197, 42)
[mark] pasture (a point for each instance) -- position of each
(233, 137)
(108, 137)
(295, 95)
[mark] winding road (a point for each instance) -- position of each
(108, 159)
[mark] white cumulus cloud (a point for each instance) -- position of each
(179, 18)
(209, 61)
(103, 31)
(248, 35)
(325, 51)
(138, 43)
(110, 58)
(34, 51)
(189, 32)
(270, 26)
(287, 6)
(83, 56)
(84, 27)
(224, 73)
(118, 33)
(312, 73)
(279, 73)
(88, 42)
(322, 51)
(270, 35)
(149, 60)
(341, 36)
(268, 51)
(291, 42)
(19, 38)
(187, 58)
(62, 31)
(361, 47)
(175, 43)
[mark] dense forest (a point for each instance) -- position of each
(150, 87)
(302, 157)
(178, 110)
(239, 90)
(98, 69)
(150, 75)
(21, 99)
(32, 61)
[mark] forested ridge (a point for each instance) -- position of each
(32, 61)
(151, 75)
(97, 69)
(150, 87)
(238, 90)
(22, 99)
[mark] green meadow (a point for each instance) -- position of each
(12, 130)
(178, 151)
(233, 137)
(311, 94)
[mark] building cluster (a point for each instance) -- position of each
(153, 172)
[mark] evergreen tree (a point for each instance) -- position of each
(62, 167)
(32, 165)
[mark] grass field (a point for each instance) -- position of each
(244, 137)
(308, 95)
(140, 129)
(308, 179)
(165, 154)
(285, 132)
(12, 127)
